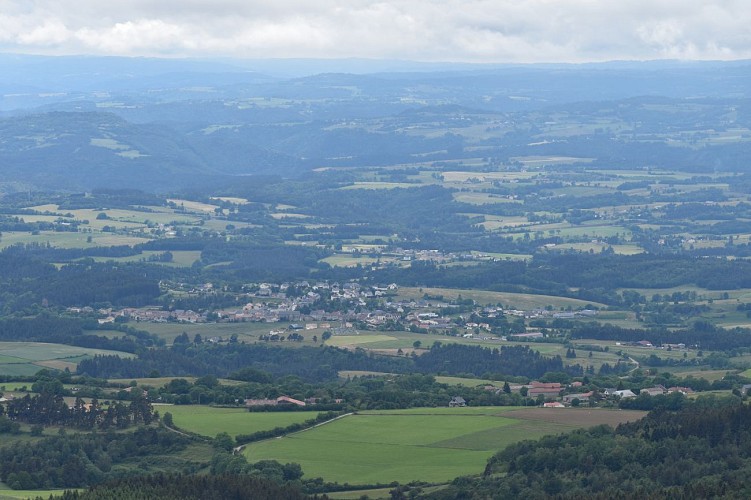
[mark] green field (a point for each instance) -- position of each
(379, 185)
(209, 421)
(68, 240)
(7, 493)
(27, 358)
(428, 444)
(180, 258)
(392, 341)
(524, 301)
(467, 382)
(349, 260)
(632, 350)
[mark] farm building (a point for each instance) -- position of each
(457, 401)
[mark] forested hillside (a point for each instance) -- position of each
(701, 451)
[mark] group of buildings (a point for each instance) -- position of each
(557, 395)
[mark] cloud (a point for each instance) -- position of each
(430, 30)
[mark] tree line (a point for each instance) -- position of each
(702, 450)
(321, 363)
(72, 461)
(189, 487)
(48, 408)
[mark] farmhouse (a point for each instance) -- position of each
(457, 401)
(657, 390)
(553, 404)
(280, 401)
(286, 400)
(624, 394)
(548, 390)
(583, 397)
(682, 390)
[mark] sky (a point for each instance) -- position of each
(478, 31)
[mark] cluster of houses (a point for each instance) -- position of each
(556, 395)
(545, 313)
(648, 345)
(434, 256)
(301, 302)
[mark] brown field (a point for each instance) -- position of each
(576, 417)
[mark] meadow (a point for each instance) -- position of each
(428, 444)
(27, 358)
(8, 494)
(391, 342)
(525, 301)
(210, 421)
(180, 258)
(68, 239)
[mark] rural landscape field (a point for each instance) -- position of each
(288, 278)
(424, 444)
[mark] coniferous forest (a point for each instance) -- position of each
(697, 452)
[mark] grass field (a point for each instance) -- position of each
(524, 301)
(387, 341)
(355, 494)
(209, 421)
(379, 185)
(634, 351)
(467, 382)
(68, 240)
(600, 247)
(7, 493)
(349, 260)
(429, 444)
(27, 358)
(180, 258)
(194, 206)
(710, 375)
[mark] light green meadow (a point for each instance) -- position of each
(209, 421)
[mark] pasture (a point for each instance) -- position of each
(525, 301)
(379, 185)
(180, 258)
(68, 239)
(210, 421)
(349, 260)
(8, 494)
(468, 382)
(428, 444)
(27, 358)
(392, 341)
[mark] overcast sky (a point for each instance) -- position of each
(424, 30)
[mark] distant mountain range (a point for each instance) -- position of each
(83, 122)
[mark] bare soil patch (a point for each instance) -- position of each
(579, 417)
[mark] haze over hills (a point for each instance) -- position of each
(156, 124)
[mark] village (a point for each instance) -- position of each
(347, 308)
